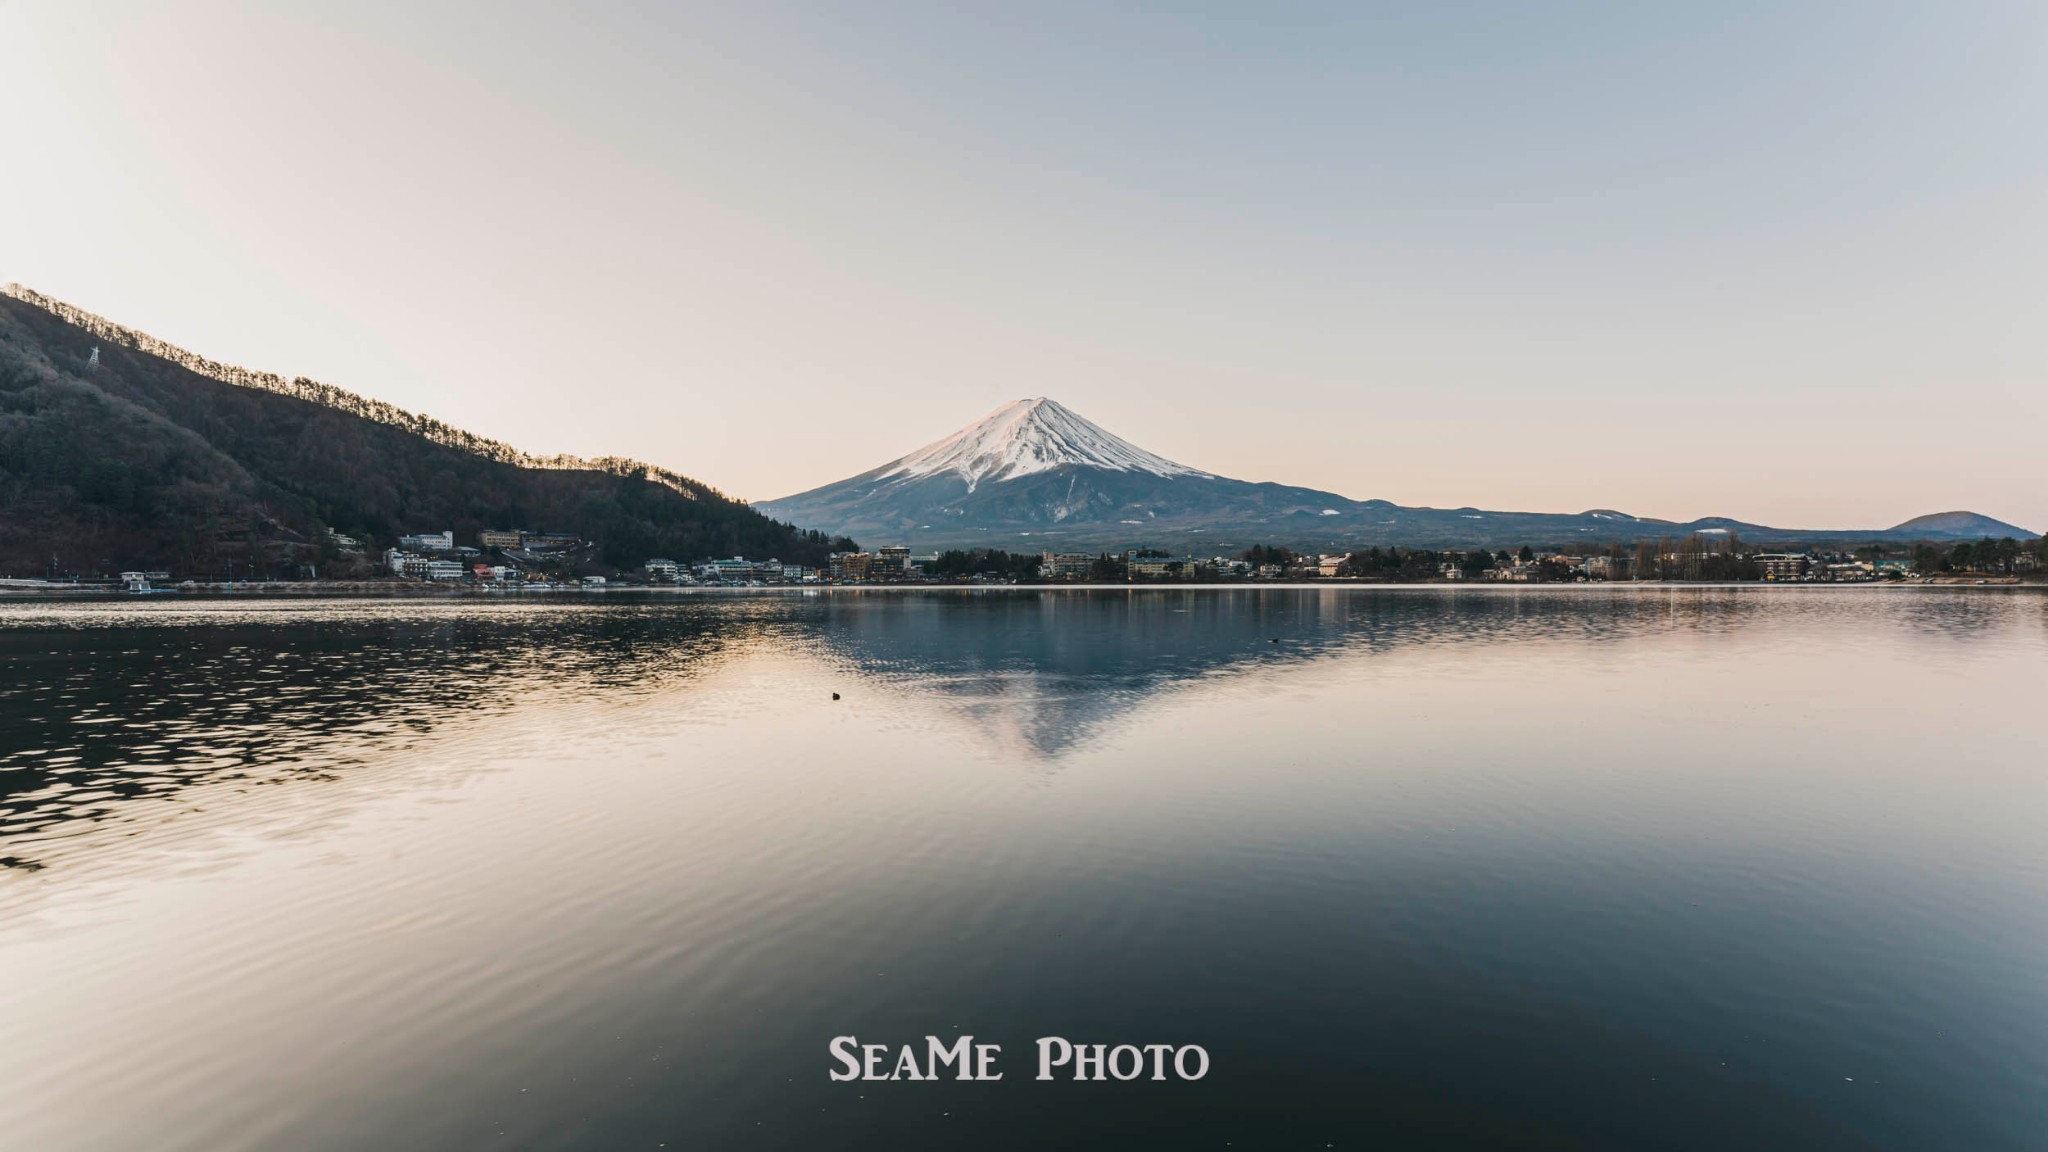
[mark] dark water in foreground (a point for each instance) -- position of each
(1685, 869)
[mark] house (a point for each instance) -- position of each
(499, 538)
(428, 542)
(663, 570)
(445, 570)
(1329, 565)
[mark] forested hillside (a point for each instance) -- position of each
(156, 458)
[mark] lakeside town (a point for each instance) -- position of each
(516, 559)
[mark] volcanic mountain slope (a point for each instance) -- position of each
(1036, 468)
(119, 451)
(1035, 475)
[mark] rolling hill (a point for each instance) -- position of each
(120, 451)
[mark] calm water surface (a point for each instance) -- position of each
(1425, 868)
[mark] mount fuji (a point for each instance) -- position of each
(1033, 474)
(1036, 475)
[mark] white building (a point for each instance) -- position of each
(429, 542)
(401, 563)
(739, 569)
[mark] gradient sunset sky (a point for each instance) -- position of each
(1782, 262)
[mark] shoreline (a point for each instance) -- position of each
(376, 590)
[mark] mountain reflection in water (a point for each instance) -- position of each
(1691, 868)
(1035, 675)
(116, 704)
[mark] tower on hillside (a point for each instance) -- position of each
(93, 361)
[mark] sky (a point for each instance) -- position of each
(1787, 263)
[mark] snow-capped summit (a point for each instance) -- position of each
(1029, 468)
(1026, 437)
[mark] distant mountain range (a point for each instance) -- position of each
(1035, 475)
(118, 450)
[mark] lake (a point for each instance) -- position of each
(1631, 867)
